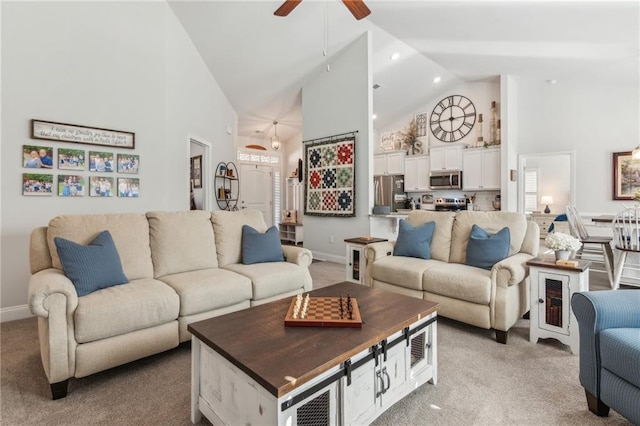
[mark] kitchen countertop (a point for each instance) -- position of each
(390, 215)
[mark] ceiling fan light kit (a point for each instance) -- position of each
(357, 8)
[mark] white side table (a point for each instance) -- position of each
(356, 262)
(551, 289)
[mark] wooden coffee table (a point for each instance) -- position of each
(248, 368)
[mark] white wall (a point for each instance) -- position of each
(480, 93)
(124, 66)
(336, 102)
(595, 120)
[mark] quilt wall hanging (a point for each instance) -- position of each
(330, 176)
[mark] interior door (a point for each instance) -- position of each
(256, 189)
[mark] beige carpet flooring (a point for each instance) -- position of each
(480, 382)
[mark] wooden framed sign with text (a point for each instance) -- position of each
(62, 132)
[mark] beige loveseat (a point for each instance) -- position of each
(491, 299)
(181, 266)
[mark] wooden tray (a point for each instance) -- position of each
(324, 312)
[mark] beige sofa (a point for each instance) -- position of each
(182, 267)
(491, 299)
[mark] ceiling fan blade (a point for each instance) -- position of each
(287, 7)
(357, 8)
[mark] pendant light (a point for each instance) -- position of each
(275, 140)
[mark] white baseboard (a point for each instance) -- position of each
(13, 313)
(329, 257)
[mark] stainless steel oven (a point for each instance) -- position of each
(451, 179)
(450, 204)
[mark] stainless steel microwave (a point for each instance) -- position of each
(451, 179)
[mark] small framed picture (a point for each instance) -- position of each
(128, 187)
(196, 171)
(71, 186)
(37, 184)
(100, 161)
(37, 157)
(101, 186)
(128, 163)
(626, 180)
(289, 216)
(70, 159)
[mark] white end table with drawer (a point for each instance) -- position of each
(551, 289)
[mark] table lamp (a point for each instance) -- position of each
(546, 199)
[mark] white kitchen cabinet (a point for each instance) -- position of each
(416, 173)
(389, 164)
(481, 168)
(445, 158)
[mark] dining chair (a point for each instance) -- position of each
(626, 239)
(595, 247)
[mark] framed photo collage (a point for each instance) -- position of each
(111, 173)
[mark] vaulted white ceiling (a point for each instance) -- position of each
(261, 61)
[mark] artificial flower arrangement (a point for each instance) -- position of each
(560, 241)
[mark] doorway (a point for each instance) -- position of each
(549, 174)
(201, 196)
(256, 189)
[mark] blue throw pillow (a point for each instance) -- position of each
(258, 247)
(485, 250)
(414, 241)
(91, 267)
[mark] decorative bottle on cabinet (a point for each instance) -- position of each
(479, 138)
(493, 125)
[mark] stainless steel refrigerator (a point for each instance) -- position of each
(389, 193)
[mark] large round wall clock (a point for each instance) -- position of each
(452, 118)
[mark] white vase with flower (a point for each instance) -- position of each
(564, 245)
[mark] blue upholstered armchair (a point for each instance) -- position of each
(609, 325)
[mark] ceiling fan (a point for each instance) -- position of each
(356, 7)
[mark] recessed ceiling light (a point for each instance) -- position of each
(437, 79)
(552, 81)
(374, 116)
(394, 56)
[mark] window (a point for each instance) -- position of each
(276, 196)
(530, 190)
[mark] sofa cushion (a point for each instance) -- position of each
(181, 241)
(414, 241)
(273, 278)
(458, 281)
(208, 289)
(260, 247)
(91, 267)
(484, 249)
(227, 226)
(441, 241)
(491, 222)
(124, 308)
(130, 233)
(620, 353)
(405, 272)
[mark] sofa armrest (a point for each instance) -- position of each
(53, 298)
(373, 252)
(47, 283)
(512, 270)
(597, 311)
(298, 255)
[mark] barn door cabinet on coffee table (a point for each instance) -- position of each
(312, 375)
